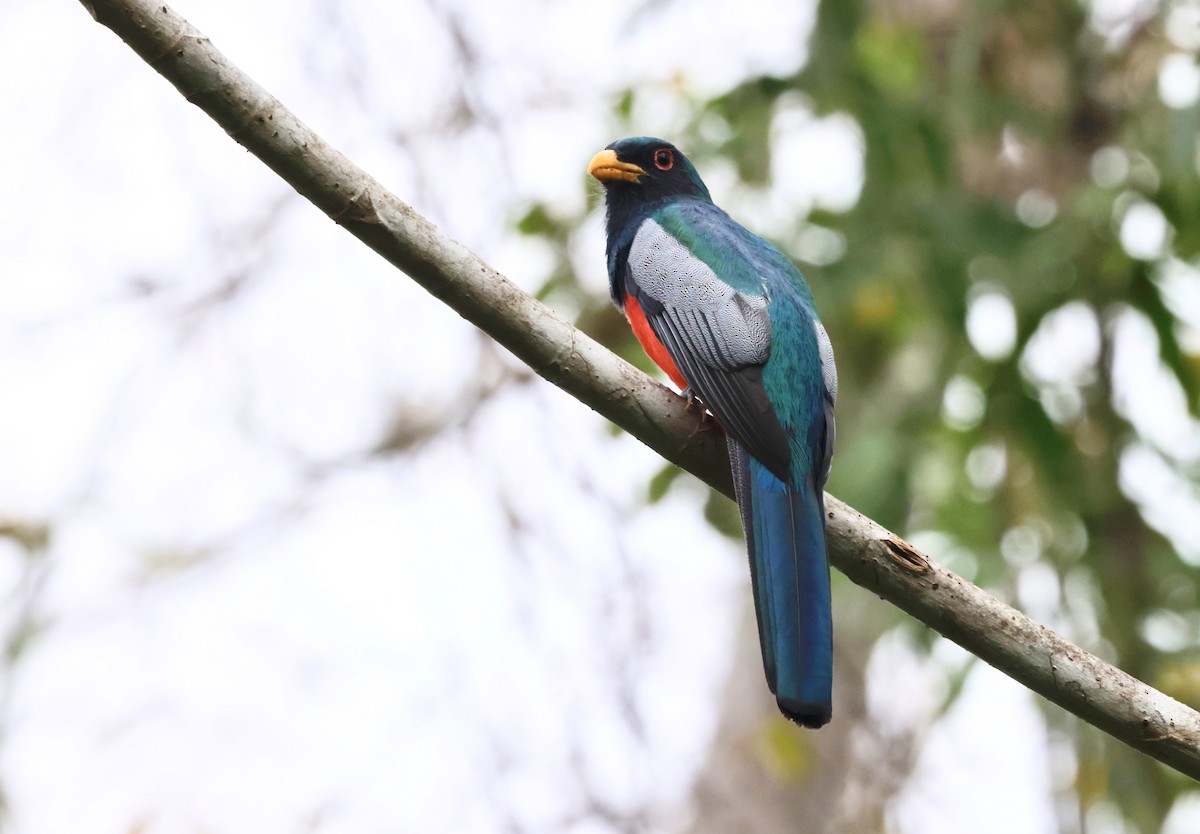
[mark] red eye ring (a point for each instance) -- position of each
(664, 159)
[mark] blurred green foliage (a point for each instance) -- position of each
(1003, 145)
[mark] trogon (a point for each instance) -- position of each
(731, 321)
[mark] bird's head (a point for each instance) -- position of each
(643, 170)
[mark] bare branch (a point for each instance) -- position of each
(870, 555)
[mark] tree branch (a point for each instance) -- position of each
(868, 554)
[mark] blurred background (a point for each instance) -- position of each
(285, 545)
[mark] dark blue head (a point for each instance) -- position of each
(640, 172)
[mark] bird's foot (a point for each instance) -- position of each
(695, 404)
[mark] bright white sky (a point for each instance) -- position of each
(369, 646)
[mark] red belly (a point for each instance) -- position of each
(650, 343)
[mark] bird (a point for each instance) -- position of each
(731, 321)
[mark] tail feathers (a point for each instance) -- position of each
(785, 534)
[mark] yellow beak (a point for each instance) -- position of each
(605, 166)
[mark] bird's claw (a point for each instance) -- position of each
(695, 404)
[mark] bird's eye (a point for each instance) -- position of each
(664, 159)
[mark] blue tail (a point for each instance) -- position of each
(785, 534)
